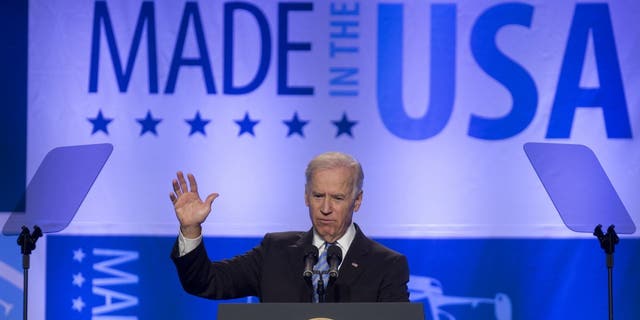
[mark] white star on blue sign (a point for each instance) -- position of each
(246, 125)
(77, 304)
(78, 279)
(197, 124)
(295, 125)
(78, 255)
(100, 123)
(149, 124)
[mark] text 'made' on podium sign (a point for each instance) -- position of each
(321, 311)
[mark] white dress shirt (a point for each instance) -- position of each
(343, 243)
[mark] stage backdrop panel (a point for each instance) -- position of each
(435, 99)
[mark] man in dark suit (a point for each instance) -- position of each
(272, 270)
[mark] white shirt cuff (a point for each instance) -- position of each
(186, 245)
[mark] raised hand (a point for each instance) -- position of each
(190, 209)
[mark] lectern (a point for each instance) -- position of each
(321, 311)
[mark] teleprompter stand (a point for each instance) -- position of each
(608, 243)
(27, 242)
(52, 207)
(583, 195)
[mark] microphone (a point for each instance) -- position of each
(334, 257)
(310, 259)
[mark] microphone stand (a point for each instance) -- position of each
(320, 288)
(608, 243)
(27, 243)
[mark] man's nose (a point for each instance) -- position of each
(326, 206)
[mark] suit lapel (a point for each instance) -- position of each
(296, 252)
(296, 262)
(355, 262)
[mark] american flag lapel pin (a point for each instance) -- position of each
(354, 264)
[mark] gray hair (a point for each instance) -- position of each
(332, 160)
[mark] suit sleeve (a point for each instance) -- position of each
(394, 285)
(226, 279)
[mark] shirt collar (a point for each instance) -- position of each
(344, 242)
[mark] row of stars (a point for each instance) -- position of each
(149, 125)
(78, 304)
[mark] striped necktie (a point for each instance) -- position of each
(321, 269)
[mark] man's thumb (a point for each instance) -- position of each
(210, 199)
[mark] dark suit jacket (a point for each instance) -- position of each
(272, 271)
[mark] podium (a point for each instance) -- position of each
(321, 311)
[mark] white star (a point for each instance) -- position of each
(78, 255)
(78, 304)
(78, 279)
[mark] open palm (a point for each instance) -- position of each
(189, 207)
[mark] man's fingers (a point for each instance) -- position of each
(182, 182)
(173, 197)
(210, 199)
(176, 187)
(192, 183)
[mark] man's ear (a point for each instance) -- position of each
(357, 201)
(306, 198)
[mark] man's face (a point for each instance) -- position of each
(329, 197)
